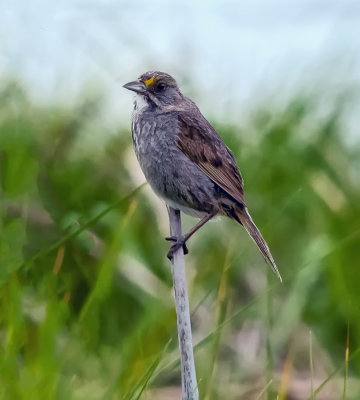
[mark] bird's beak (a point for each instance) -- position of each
(135, 86)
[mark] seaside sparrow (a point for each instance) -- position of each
(184, 159)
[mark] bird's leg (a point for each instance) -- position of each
(180, 241)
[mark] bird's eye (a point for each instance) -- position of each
(160, 87)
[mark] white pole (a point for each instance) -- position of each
(188, 373)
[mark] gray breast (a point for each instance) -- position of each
(171, 174)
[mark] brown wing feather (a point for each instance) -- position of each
(199, 141)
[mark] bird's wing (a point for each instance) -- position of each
(199, 141)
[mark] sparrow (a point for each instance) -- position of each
(185, 161)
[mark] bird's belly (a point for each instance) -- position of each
(187, 210)
(180, 183)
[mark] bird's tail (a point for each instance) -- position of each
(243, 216)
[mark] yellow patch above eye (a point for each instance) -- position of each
(150, 81)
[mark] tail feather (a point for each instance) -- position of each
(245, 219)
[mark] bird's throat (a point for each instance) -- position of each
(140, 102)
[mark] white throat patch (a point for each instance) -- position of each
(140, 102)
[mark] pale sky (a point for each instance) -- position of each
(223, 53)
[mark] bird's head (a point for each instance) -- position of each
(157, 87)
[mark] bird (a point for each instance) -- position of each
(185, 161)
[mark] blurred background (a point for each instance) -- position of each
(86, 300)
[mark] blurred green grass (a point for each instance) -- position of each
(86, 308)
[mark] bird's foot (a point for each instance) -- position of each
(179, 241)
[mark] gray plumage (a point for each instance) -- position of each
(183, 158)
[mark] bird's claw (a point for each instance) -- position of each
(179, 241)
